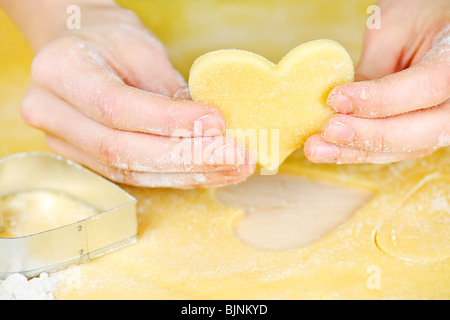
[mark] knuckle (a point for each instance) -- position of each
(447, 116)
(111, 152)
(439, 86)
(56, 60)
(40, 71)
(108, 109)
(443, 138)
(360, 156)
(364, 157)
(130, 178)
(379, 142)
(371, 103)
(47, 63)
(123, 176)
(380, 102)
(29, 112)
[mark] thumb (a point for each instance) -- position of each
(379, 57)
(143, 62)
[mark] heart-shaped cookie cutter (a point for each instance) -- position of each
(113, 227)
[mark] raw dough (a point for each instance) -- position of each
(419, 230)
(272, 108)
(293, 212)
(187, 248)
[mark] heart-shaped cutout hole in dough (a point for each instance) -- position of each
(420, 230)
(272, 109)
(286, 212)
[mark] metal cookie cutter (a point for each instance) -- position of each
(114, 227)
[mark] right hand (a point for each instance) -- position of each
(108, 97)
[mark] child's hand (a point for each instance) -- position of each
(108, 97)
(400, 109)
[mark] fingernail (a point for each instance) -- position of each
(210, 124)
(341, 103)
(324, 152)
(228, 154)
(339, 132)
(182, 93)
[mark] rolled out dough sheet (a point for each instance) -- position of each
(189, 245)
(189, 248)
(393, 246)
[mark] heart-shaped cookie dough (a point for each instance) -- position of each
(272, 108)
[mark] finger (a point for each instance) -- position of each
(79, 75)
(423, 85)
(154, 179)
(382, 52)
(373, 63)
(414, 131)
(320, 151)
(139, 67)
(129, 150)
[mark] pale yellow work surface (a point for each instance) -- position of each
(395, 246)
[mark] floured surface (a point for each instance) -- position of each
(32, 212)
(187, 247)
(419, 232)
(17, 287)
(286, 212)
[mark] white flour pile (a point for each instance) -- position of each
(17, 287)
